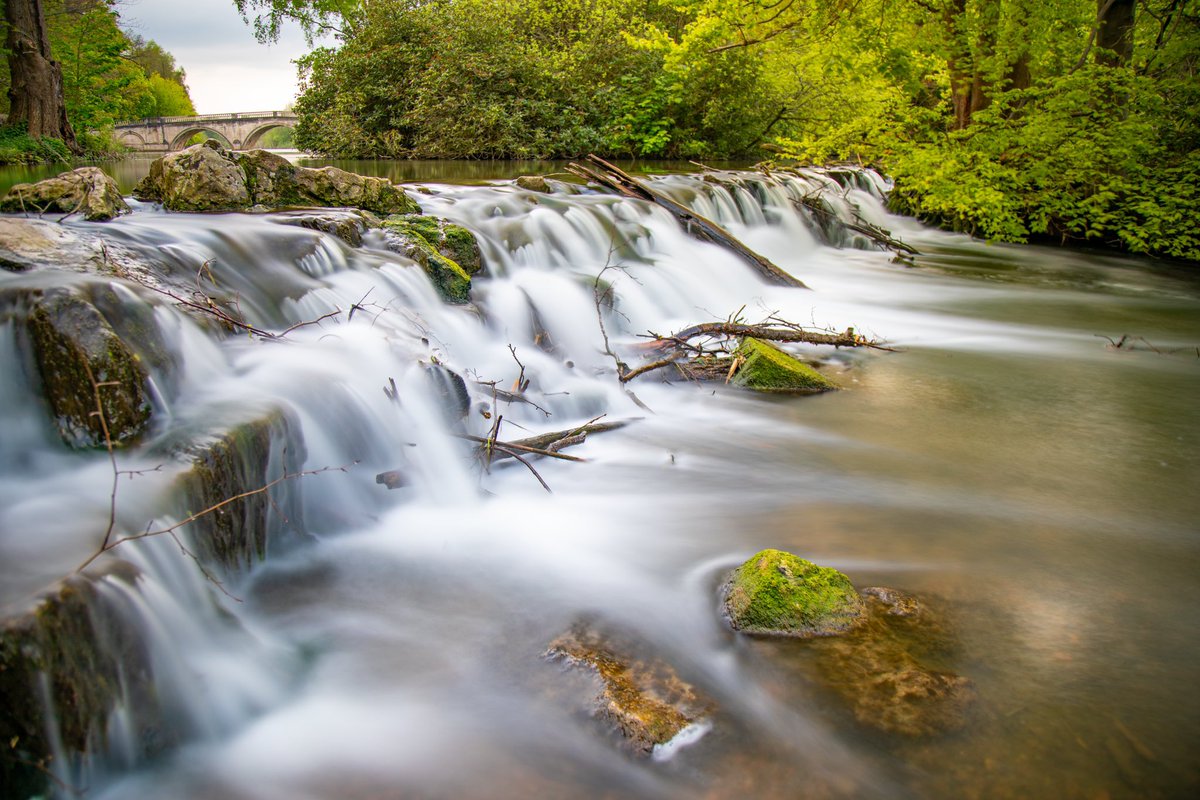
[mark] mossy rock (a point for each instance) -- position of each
(437, 245)
(766, 368)
(641, 697)
(204, 177)
(73, 344)
(207, 177)
(88, 660)
(230, 463)
(87, 191)
(778, 594)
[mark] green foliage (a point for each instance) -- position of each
(18, 147)
(529, 78)
(108, 77)
(1003, 122)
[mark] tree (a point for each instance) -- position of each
(36, 89)
(316, 18)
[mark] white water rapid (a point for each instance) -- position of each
(390, 643)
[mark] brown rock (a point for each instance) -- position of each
(87, 191)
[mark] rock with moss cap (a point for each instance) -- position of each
(766, 368)
(87, 191)
(778, 594)
(447, 252)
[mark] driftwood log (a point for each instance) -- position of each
(605, 174)
(677, 348)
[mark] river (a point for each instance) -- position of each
(1007, 463)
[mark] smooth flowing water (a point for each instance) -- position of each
(1006, 464)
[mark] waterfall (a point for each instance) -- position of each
(236, 654)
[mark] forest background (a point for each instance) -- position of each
(1067, 120)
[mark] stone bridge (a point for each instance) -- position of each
(164, 134)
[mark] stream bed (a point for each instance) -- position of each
(1005, 462)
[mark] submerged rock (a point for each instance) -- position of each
(882, 669)
(766, 368)
(74, 345)
(86, 190)
(447, 252)
(207, 177)
(778, 594)
(644, 699)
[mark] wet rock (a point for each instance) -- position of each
(84, 660)
(349, 226)
(452, 241)
(643, 698)
(232, 462)
(73, 344)
(883, 669)
(330, 186)
(204, 177)
(87, 191)
(778, 594)
(534, 183)
(766, 368)
(438, 246)
(207, 177)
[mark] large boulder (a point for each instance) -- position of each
(778, 594)
(766, 368)
(87, 191)
(204, 177)
(207, 177)
(75, 348)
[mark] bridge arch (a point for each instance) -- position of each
(256, 135)
(180, 141)
(133, 140)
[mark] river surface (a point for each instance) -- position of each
(1006, 463)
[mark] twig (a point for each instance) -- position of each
(529, 467)
(109, 545)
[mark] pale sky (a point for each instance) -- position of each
(227, 70)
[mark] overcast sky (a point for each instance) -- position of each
(227, 70)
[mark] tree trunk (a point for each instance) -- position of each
(36, 92)
(1114, 22)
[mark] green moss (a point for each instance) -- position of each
(428, 228)
(766, 368)
(425, 237)
(70, 337)
(780, 594)
(87, 660)
(236, 462)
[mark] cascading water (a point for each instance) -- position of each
(391, 644)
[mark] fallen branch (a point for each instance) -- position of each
(781, 332)
(875, 233)
(700, 227)
(547, 444)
